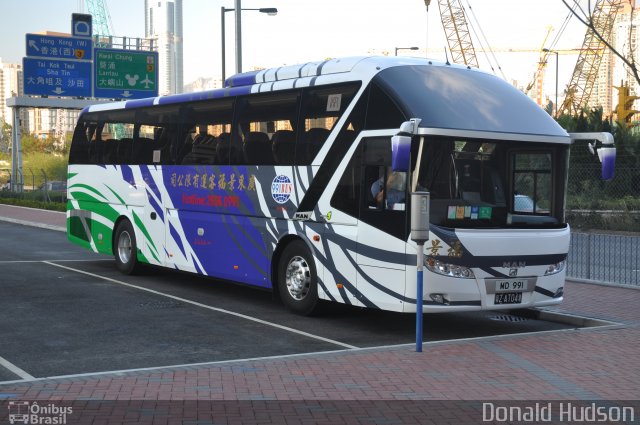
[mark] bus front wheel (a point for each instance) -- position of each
(125, 248)
(298, 279)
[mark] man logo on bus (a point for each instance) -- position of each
(281, 189)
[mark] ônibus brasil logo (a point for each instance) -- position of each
(281, 189)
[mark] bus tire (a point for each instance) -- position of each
(298, 279)
(125, 248)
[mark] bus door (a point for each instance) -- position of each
(382, 226)
(153, 216)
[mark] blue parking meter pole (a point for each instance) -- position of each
(419, 234)
(419, 292)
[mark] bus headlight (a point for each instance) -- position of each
(556, 268)
(446, 269)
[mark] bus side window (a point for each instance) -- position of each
(273, 115)
(382, 111)
(80, 146)
(384, 191)
(347, 195)
(321, 109)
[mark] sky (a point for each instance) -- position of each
(311, 30)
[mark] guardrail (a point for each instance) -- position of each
(605, 258)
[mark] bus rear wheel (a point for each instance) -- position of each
(298, 279)
(125, 248)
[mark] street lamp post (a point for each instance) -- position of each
(405, 48)
(556, 104)
(271, 11)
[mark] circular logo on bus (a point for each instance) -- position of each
(281, 189)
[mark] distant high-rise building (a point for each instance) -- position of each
(613, 72)
(626, 41)
(163, 23)
(10, 85)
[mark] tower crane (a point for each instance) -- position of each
(538, 76)
(585, 72)
(102, 24)
(457, 32)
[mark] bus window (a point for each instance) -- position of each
(321, 109)
(347, 195)
(385, 191)
(532, 187)
(382, 112)
(80, 145)
(206, 141)
(272, 117)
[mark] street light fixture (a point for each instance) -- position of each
(405, 48)
(556, 53)
(271, 11)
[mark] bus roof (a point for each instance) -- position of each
(443, 95)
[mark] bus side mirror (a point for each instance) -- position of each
(400, 153)
(606, 152)
(401, 145)
(607, 157)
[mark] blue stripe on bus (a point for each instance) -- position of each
(195, 263)
(150, 181)
(155, 206)
(139, 103)
(176, 237)
(486, 262)
(244, 79)
(548, 293)
(127, 175)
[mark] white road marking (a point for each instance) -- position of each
(15, 369)
(220, 310)
(320, 353)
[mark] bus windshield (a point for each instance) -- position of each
(485, 183)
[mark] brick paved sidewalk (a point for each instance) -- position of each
(54, 220)
(379, 385)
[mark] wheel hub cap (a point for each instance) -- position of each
(124, 247)
(298, 278)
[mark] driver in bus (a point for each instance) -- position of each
(395, 187)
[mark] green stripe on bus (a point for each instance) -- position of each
(89, 188)
(140, 256)
(143, 229)
(155, 257)
(89, 203)
(117, 196)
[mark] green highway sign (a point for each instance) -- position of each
(125, 74)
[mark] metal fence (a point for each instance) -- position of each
(605, 258)
(35, 185)
(593, 204)
(598, 212)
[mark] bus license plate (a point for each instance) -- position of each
(512, 285)
(508, 298)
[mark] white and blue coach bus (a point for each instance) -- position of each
(283, 180)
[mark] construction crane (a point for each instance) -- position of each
(538, 76)
(102, 25)
(593, 50)
(457, 32)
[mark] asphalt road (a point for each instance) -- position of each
(64, 310)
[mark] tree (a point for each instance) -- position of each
(5, 136)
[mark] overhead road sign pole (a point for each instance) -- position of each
(16, 103)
